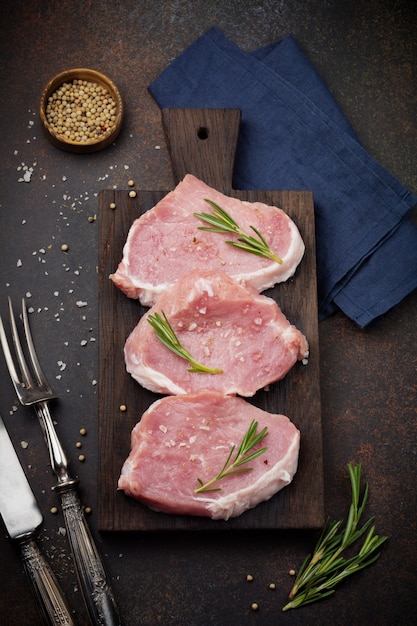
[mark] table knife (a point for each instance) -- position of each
(23, 518)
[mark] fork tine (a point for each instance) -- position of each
(40, 376)
(20, 357)
(9, 359)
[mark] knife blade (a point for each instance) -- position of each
(22, 519)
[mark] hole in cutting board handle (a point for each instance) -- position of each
(202, 142)
(202, 133)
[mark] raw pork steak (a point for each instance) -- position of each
(222, 324)
(182, 438)
(165, 243)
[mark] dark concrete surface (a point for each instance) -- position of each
(367, 53)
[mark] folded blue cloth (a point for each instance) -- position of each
(294, 136)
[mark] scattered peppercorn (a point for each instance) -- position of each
(131, 183)
(87, 510)
(81, 458)
(65, 247)
(249, 577)
(132, 194)
(83, 431)
(254, 606)
(292, 572)
(92, 218)
(123, 408)
(78, 444)
(112, 205)
(81, 111)
(272, 586)
(54, 510)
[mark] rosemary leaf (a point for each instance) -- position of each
(221, 222)
(167, 336)
(243, 456)
(327, 567)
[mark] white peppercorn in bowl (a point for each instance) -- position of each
(81, 110)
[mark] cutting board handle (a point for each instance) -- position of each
(202, 142)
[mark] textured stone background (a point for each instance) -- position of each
(366, 52)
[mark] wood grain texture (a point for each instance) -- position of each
(298, 395)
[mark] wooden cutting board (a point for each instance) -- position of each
(202, 142)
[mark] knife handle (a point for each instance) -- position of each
(48, 592)
(93, 579)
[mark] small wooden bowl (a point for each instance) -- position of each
(91, 145)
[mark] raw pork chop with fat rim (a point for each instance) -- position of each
(165, 243)
(223, 325)
(181, 439)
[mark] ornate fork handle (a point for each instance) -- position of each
(90, 569)
(98, 594)
(47, 590)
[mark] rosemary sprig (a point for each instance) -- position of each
(221, 222)
(243, 456)
(167, 336)
(326, 567)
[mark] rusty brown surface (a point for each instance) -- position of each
(367, 53)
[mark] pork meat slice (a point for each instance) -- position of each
(165, 243)
(182, 438)
(222, 324)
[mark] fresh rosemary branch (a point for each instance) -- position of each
(243, 456)
(221, 222)
(167, 336)
(326, 567)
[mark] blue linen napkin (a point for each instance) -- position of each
(293, 135)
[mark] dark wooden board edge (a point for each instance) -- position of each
(300, 506)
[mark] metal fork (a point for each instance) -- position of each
(32, 388)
